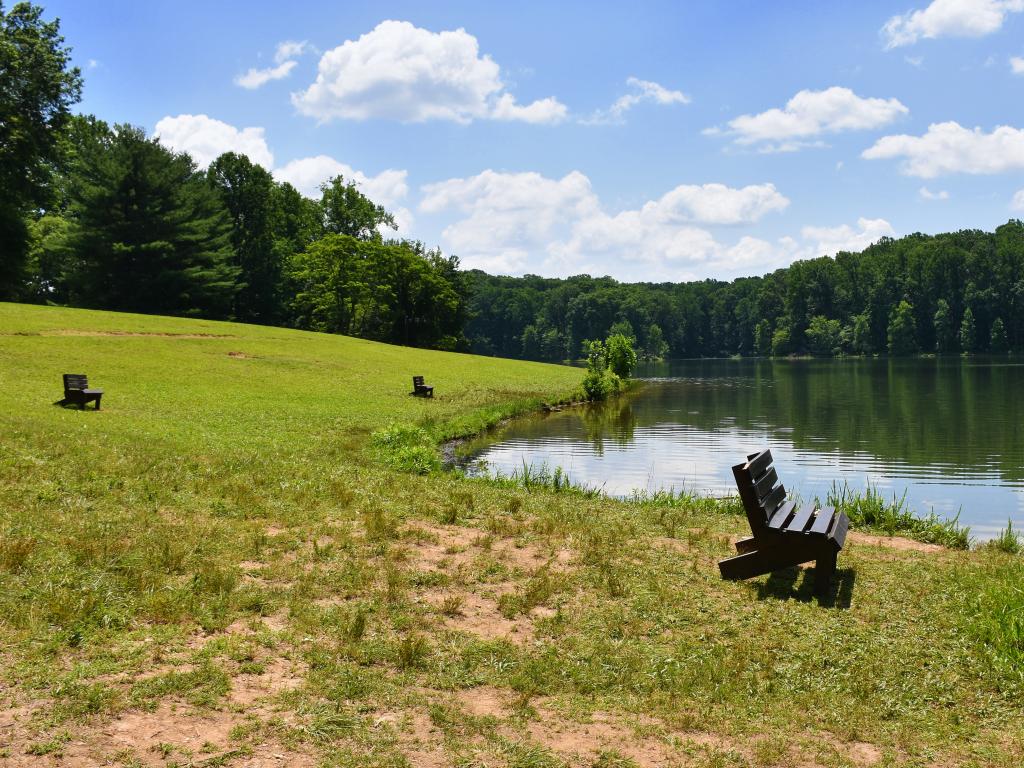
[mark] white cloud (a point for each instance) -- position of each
(308, 173)
(828, 241)
(207, 139)
(643, 91)
(255, 78)
(951, 148)
(387, 188)
(949, 18)
(290, 49)
(1017, 65)
(1017, 204)
(927, 194)
(400, 72)
(717, 204)
(811, 113)
(548, 110)
(914, 61)
(517, 222)
(284, 57)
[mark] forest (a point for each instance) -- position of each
(103, 216)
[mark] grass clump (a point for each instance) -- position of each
(1007, 541)
(869, 509)
(408, 448)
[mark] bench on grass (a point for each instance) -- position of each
(419, 389)
(784, 535)
(77, 392)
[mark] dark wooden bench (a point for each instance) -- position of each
(77, 392)
(419, 389)
(784, 534)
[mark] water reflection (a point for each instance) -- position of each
(947, 430)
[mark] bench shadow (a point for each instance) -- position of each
(73, 406)
(786, 584)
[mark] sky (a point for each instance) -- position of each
(648, 141)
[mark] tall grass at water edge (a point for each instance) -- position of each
(869, 509)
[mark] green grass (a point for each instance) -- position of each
(263, 543)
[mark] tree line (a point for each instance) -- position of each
(102, 216)
(956, 292)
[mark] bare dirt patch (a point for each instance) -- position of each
(279, 675)
(242, 356)
(478, 615)
(136, 334)
(455, 546)
(484, 701)
(893, 542)
(171, 731)
(581, 743)
(444, 547)
(418, 738)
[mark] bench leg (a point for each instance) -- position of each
(98, 398)
(824, 570)
(748, 544)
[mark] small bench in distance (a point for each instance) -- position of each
(419, 389)
(783, 534)
(77, 391)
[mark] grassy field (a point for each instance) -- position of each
(225, 567)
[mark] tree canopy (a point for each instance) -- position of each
(37, 89)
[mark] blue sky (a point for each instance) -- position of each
(648, 141)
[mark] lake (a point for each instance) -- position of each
(947, 431)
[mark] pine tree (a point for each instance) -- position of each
(148, 233)
(247, 191)
(37, 89)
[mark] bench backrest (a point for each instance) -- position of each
(76, 381)
(417, 382)
(760, 489)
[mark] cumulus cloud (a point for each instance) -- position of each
(388, 188)
(284, 58)
(643, 91)
(401, 72)
(1017, 204)
(206, 139)
(949, 18)
(517, 222)
(828, 241)
(951, 148)
(1017, 65)
(809, 114)
(927, 194)
(308, 173)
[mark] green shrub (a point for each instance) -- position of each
(621, 355)
(408, 448)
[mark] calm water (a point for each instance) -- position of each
(948, 431)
